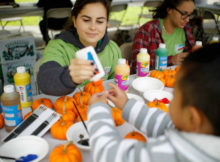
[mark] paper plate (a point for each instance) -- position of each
(144, 84)
(73, 134)
(130, 95)
(24, 145)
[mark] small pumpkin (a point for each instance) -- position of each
(94, 87)
(81, 98)
(170, 81)
(117, 116)
(66, 101)
(66, 153)
(135, 135)
(157, 74)
(169, 72)
(156, 103)
(59, 129)
(1, 121)
(67, 115)
(83, 112)
(45, 101)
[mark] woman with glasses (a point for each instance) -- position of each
(169, 26)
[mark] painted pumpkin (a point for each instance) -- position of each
(117, 116)
(135, 135)
(94, 87)
(1, 121)
(66, 153)
(42, 101)
(158, 104)
(59, 129)
(64, 102)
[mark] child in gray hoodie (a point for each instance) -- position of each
(191, 130)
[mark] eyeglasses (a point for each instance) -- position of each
(184, 15)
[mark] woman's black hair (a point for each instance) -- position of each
(80, 4)
(198, 81)
(161, 10)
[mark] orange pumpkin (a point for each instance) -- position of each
(59, 129)
(157, 74)
(83, 112)
(45, 101)
(135, 135)
(170, 81)
(169, 72)
(94, 87)
(81, 98)
(64, 102)
(116, 115)
(1, 121)
(67, 115)
(159, 105)
(66, 153)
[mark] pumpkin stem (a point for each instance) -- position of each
(42, 101)
(62, 121)
(80, 100)
(64, 105)
(133, 133)
(66, 145)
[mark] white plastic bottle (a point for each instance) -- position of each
(143, 63)
(22, 81)
(122, 72)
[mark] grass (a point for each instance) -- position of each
(27, 21)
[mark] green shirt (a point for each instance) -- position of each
(175, 42)
(62, 52)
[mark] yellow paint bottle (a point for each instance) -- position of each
(22, 81)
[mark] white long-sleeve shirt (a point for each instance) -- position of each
(166, 144)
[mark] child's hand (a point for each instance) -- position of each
(117, 96)
(97, 98)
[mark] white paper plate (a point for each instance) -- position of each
(144, 84)
(24, 145)
(130, 95)
(73, 134)
(157, 94)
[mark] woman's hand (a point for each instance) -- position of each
(117, 96)
(98, 97)
(81, 70)
(178, 59)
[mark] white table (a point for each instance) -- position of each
(123, 129)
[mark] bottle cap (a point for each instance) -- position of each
(9, 88)
(162, 45)
(20, 69)
(143, 50)
(215, 39)
(122, 61)
(198, 43)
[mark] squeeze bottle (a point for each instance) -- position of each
(161, 57)
(22, 81)
(122, 72)
(215, 39)
(143, 63)
(11, 107)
